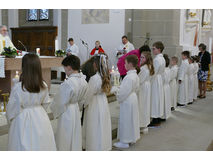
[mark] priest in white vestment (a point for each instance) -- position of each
(72, 48)
(125, 47)
(5, 39)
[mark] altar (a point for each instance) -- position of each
(14, 64)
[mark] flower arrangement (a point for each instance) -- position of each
(60, 53)
(9, 52)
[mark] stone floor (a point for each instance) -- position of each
(189, 128)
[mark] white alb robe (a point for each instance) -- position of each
(30, 127)
(128, 47)
(173, 85)
(144, 96)
(129, 122)
(196, 68)
(8, 42)
(167, 93)
(157, 95)
(65, 108)
(97, 119)
(183, 87)
(73, 49)
(191, 82)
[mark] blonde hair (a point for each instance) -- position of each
(149, 62)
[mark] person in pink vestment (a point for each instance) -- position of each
(121, 62)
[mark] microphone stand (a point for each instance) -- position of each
(23, 45)
(85, 45)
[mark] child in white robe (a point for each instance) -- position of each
(157, 94)
(128, 126)
(166, 89)
(191, 80)
(97, 119)
(196, 68)
(183, 80)
(144, 94)
(173, 82)
(65, 106)
(30, 127)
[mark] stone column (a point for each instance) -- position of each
(162, 25)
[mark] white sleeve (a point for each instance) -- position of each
(156, 66)
(93, 87)
(14, 105)
(143, 75)
(181, 72)
(61, 100)
(173, 74)
(125, 90)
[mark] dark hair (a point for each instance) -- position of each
(70, 39)
(166, 57)
(203, 46)
(106, 86)
(186, 53)
(88, 70)
(72, 61)
(31, 76)
(133, 59)
(124, 37)
(149, 62)
(174, 58)
(144, 48)
(159, 45)
(197, 58)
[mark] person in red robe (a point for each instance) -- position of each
(97, 49)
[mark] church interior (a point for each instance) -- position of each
(48, 33)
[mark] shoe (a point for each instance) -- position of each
(145, 130)
(163, 120)
(181, 105)
(203, 97)
(121, 145)
(190, 103)
(173, 109)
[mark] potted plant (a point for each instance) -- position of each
(9, 52)
(60, 53)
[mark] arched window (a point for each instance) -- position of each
(38, 14)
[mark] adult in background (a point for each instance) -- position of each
(72, 48)
(125, 47)
(97, 50)
(4, 38)
(205, 60)
(121, 62)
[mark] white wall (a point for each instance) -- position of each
(108, 34)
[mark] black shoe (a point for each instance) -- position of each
(178, 104)
(162, 120)
(155, 122)
(173, 109)
(190, 103)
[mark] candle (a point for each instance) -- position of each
(38, 51)
(56, 45)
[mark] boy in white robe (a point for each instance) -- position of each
(183, 80)
(157, 94)
(191, 80)
(173, 82)
(166, 89)
(128, 126)
(65, 106)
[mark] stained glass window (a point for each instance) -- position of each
(44, 14)
(32, 15)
